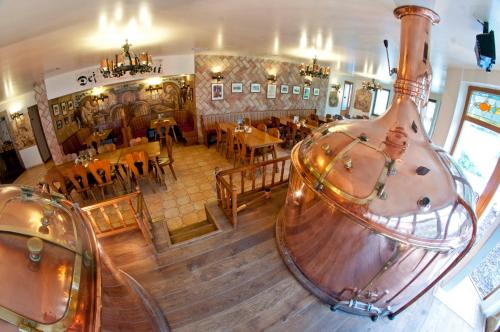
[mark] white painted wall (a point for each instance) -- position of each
(453, 100)
(67, 83)
(30, 156)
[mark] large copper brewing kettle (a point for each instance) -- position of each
(375, 214)
(49, 264)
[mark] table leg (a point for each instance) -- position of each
(175, 136)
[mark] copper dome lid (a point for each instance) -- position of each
(386, 172)
(42, 258)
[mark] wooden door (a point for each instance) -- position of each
(41, 142)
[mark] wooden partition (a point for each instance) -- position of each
(241, 187)
(208, 121)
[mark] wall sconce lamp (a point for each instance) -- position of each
(271, 78)
(153, 88)
(307, 81)
(336, 86)
(100, 97)
(16, 115)
(217, 76)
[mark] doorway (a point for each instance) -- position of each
(10, 163)
(41, 141)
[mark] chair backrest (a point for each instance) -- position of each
(101, 170)
(138, 141)
(275, 132)
(247, 121)
(275, 121)
(218, 130)
(262, 127)
(242, 147)
(312, 123)
(313, 117)
(137, 157)
(77, 174)
(55, 180)
(230, 140)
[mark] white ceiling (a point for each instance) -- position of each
(47, 37)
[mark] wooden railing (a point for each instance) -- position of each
(121, 214)
(236, 183)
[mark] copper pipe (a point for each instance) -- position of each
(451, 266)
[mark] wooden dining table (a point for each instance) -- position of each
(253, 140)
(167, 122)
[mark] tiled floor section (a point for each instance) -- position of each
(183, 201)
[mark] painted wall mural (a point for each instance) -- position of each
(114, 105)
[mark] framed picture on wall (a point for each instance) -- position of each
(296, 90)
(217, 91)
(70, 105)
(307, 93)
(284, 89)
(316, 91)
(56, 110)
(255, 88)
(64, 110)
(236, 87)
(59, 124)
(271, 91)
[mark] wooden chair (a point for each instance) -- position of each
(247, 121)
(262, 127)
(294, 135)
(137, 163)
(272, 150)
(57, 183)
(138, 141)
(313, 117)
(231, 146)
(312, 123)
(243, 153)
(166, 158)
(78, 176)
(221, 137)
(162, 130)
(102, 171)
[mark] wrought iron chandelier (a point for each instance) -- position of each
(314, 70)
(127, 61)
(371, 85)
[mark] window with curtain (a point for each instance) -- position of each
(429, 116)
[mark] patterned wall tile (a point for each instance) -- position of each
(48, 128)
(249, 70)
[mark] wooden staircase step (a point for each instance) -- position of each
(187, 228)
(193, 233)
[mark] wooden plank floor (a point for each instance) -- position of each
(236, 281)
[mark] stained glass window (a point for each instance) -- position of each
(484, 106)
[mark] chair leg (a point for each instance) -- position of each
(172, 170)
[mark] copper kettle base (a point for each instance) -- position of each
(352, 306)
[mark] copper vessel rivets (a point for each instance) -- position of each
(424, 204)
(327, 149)
(35, 247)
(347, 161)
